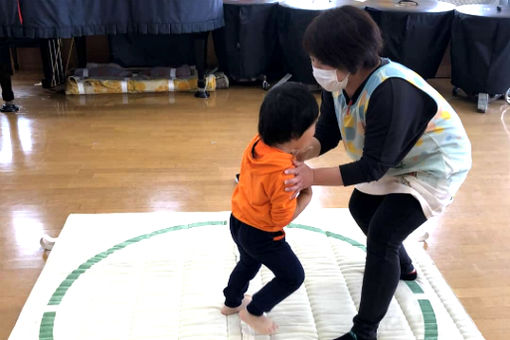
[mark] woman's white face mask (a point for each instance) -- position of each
(328, 79)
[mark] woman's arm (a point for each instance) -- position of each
(304, 177)
(397, 116)
(327, 131)
(327, 136)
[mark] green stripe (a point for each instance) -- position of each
(48, 319)
(329, 234)
(59, 293)
(46, 329)
(306, 227)
(415, 287)
(429, 320)
(346, 239)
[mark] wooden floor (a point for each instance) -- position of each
(118, 153)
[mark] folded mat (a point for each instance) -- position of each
(110, 79)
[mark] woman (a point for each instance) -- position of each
(409, 149)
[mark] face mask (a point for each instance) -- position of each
(328, 80)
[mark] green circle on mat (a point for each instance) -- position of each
(48, 318)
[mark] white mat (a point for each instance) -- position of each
(161, 275)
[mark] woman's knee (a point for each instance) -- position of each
(382, 248)
(356, 209)
(355, 206)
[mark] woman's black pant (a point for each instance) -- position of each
(386, 220)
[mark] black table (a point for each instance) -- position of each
(480, 51)
(247, 46)
(415, 33)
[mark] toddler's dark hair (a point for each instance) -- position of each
(287, 111)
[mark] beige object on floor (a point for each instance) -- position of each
(77, 85)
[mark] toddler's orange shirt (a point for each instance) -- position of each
(259, 198)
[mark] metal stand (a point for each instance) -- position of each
(51, 54)
(483, 99)
(200, 44)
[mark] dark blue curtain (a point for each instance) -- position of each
(72, 18)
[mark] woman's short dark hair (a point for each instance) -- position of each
(286, 113)
(345, 38)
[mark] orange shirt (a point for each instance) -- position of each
(259, 198)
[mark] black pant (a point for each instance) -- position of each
(257, 247)
(386, 220)
(5, 73)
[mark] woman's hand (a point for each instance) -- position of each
(303, 178)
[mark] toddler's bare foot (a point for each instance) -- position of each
(229, 310)
(261, 324)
